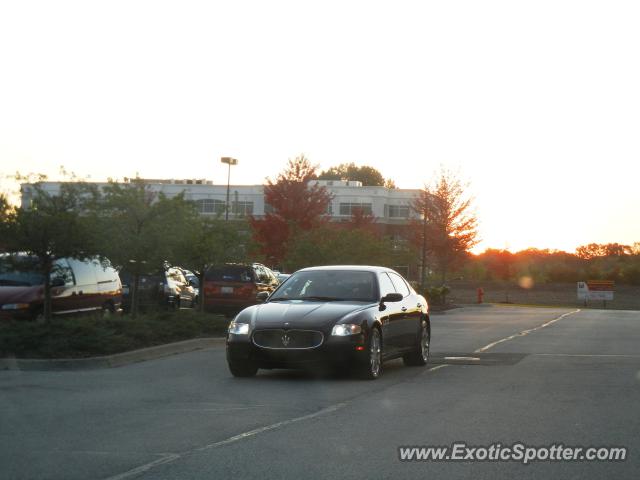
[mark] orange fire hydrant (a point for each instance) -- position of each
(480, 294)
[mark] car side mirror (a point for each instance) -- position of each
(391, 297)
(262, 296)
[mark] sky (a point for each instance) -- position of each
(535, 103)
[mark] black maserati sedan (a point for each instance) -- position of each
(346, 317)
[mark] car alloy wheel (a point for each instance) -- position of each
(375, 354)
(424, 343)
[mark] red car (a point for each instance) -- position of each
(77, 286)
(230, 288)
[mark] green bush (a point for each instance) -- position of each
(437, 295)
(90, 336)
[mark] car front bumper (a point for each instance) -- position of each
(333, 351)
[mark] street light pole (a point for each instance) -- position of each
(229, 161)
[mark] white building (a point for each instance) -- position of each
(388, 206)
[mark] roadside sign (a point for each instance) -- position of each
(601, 289)
(583, 291)
(596, 290)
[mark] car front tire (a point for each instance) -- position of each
(242, 368)
(107, 311)
(420, 356)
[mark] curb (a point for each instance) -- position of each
(110, 361)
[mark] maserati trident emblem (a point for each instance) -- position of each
(285, 339)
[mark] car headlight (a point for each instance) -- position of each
(15, 306)
(345, 329)
(239, 328)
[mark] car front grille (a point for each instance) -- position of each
(287, 339)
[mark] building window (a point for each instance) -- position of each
(210, 205)
(398, 242)
(352, 208)
(398, 211)
(242, 209)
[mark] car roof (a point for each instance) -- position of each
(358, 268)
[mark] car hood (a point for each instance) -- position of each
(300, 314)
(20, 294)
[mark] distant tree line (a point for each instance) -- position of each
(612, 261)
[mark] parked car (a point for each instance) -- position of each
(77, 286)
(165, 288)
(230, 288)
(282, 276)
(194, 281)
(347, 317)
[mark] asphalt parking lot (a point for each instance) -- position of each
(498, 374)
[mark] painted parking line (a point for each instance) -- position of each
(525, 332)
(172, 457)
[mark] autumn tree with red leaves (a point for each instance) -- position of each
(294, 207)
(361, 220)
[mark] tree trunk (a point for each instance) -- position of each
(134, 295)
(46, 307)
(201, 287)
(423, 276)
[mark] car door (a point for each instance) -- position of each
(63, 288)
(410, 314)
(86, 290)
(390, 316)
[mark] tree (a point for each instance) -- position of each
(594, 250)
(140, 229)
(449, 228)
(52, 227)
(208, 242)
(296, 206)
(333, 245)
(7, 216)
(360, 220)
(5, 208)
(501, 264)
(369, 176)
(422, 205)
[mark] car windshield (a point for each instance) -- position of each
(328, 285)
(229, 273)
(176, 276)
(19, 272)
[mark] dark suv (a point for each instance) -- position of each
(165, 288)
(230, 288)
